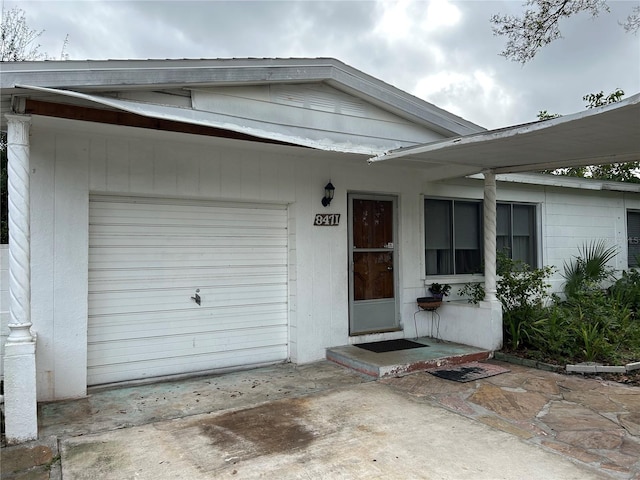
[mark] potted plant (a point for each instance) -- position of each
(429, 303)
(439, 291)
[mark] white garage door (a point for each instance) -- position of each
(148, 258)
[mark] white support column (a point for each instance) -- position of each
(20, 400)
(490, 274)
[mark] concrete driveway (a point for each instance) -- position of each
(321, 421)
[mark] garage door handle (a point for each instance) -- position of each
(197, 298)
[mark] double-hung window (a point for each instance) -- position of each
(453, 234)
(633, 238)
(515, 231)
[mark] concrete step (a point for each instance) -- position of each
(435, 353)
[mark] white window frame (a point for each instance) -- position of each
(536, 231)
(630, 258)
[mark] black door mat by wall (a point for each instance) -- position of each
(390, 345)
(467, 372)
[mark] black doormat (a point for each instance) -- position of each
(467, 371)
(390, 345)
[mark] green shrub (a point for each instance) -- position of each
(523, 292)
(587, 271)
(474, 291)
(520, 286)
(626, 290)
(592, 324)
(552, 334)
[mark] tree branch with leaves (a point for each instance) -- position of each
(18, 42)
(618, 172)
(539, 25)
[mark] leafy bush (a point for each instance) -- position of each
(552, 333)
(592, 324)
(520, 286)
(587, 271)
(523, 292)
(474, 291)
(626, 290)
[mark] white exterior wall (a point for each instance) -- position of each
(70, 160)
(573, 218)
(567, 219)
(4, 302)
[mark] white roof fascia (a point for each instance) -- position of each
(563, 181)
(362, 85)
(92, 76)
(435, 151)
(208, 119)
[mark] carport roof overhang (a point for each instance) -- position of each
(608, 134)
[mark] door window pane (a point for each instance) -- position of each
(372, 275)
(372, 223)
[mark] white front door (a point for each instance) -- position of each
(372, 259)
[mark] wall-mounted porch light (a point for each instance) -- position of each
(329, 189)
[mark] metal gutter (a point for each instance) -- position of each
(561, 181)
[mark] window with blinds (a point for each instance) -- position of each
(453, 235)
(633, 238)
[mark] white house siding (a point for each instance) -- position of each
(71, 160)
(571, 218)
(4, 302)
(574, 218)
(568, 218)
(312, 111)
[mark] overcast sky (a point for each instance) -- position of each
(441, 51)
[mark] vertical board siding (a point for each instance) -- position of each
(147, 257)
(574, 218)
(4, 302)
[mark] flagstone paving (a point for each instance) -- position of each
(589, 420)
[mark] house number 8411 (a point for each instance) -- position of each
(327, 219)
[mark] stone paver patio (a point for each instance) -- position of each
(594, 422)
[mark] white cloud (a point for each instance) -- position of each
(440, 13)
(475, 95)
(410, 20)
(395, 23)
